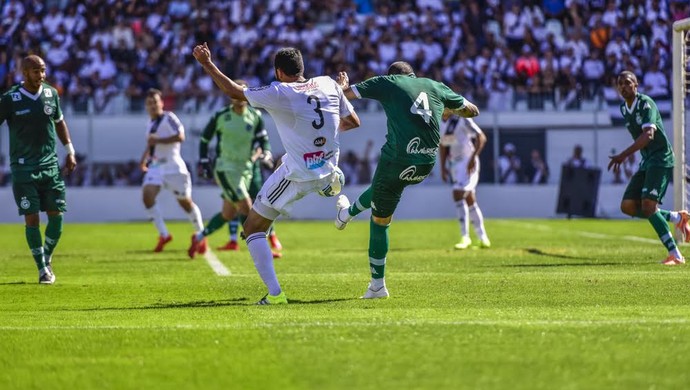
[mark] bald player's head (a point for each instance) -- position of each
(400, 67)
(32, 61)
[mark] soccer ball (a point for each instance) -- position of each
(336, 185)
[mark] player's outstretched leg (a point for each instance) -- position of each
(681, 220)
(347, 211)
(660, 225)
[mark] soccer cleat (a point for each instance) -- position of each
(275, 243)
(342, 204)
(277, 255)
(193, 247)
(268, 299)
(372, 294)
(464, 243)
(230, 246)
(203, 246)
(683, 226)
(485, 243)
(45, 276)
(673, 260)
(161, 243)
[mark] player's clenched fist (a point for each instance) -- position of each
(202, 53)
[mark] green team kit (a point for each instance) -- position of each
(413, 107)
(656, 167)
(238, 136)
(36, 180)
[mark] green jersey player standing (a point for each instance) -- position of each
(32, 111)
(413, 108)
(242, 139)
(648, 185)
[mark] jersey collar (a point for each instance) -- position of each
(632, 106)
(30, 95)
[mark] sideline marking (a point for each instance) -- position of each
(219, 268)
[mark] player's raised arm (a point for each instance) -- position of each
(344, 83)
(203, 55)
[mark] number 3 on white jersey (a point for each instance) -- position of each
(425, 112)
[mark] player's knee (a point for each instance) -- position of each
(383, 221)
(629, 208)
(649, 207)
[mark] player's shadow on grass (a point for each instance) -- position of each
(12, 283)
(539, 252)
(177, 305)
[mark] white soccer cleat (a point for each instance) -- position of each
(372, 294)
(45, 276)
(342, 204)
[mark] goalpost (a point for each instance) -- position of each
(681, 100)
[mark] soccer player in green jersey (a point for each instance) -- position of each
(33, 114)
(413, 107)
(648, 185)
(241, 140)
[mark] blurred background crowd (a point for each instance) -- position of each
(553, 54)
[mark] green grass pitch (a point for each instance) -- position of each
(554, 304)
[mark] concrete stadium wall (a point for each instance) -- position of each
(419, 202)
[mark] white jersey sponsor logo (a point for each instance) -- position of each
(410, 174)
(413, 148)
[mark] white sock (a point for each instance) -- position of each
(195, 217)
(674, 216)
(377, 284)
(676, 252)
(461, 208)
(155, 215)
(263, 261)
(478, 221)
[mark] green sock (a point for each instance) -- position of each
(660, 225)
(216, 222)
(362, 203)
(33, 238)
(53, 233)
(378, 249)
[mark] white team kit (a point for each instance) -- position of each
(458, 134)
(166, 167)
(307, 116)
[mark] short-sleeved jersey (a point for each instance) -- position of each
(644, 113)
(307, 116)
(166, 157)
(413, 109)
(237, 135)
(458, 135)
(31, 119)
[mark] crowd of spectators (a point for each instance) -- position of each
(501, 54)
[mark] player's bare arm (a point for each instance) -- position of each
(643, 140)
(468, 110)
(143, 163)
(443, 155)
(63, 134)
(349, 122)
(481, 142)
(344, 83)
(203, 55)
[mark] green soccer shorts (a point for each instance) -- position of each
(649, 184)
(234, 184)
(390, 179)
(39, 190)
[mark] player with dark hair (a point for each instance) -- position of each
(34, 116)
(164, 168)
(308, 113)
(413, 107)
(648, 185)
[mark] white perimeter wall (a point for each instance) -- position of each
(418, 202)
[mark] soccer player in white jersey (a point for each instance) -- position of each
(164, 167)
(308, 114)
(461, 142)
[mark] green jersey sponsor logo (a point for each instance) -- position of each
(413, 148)
(410, 174)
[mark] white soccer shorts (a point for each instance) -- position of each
(180, 184)
(278, 194)
(461, 180)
